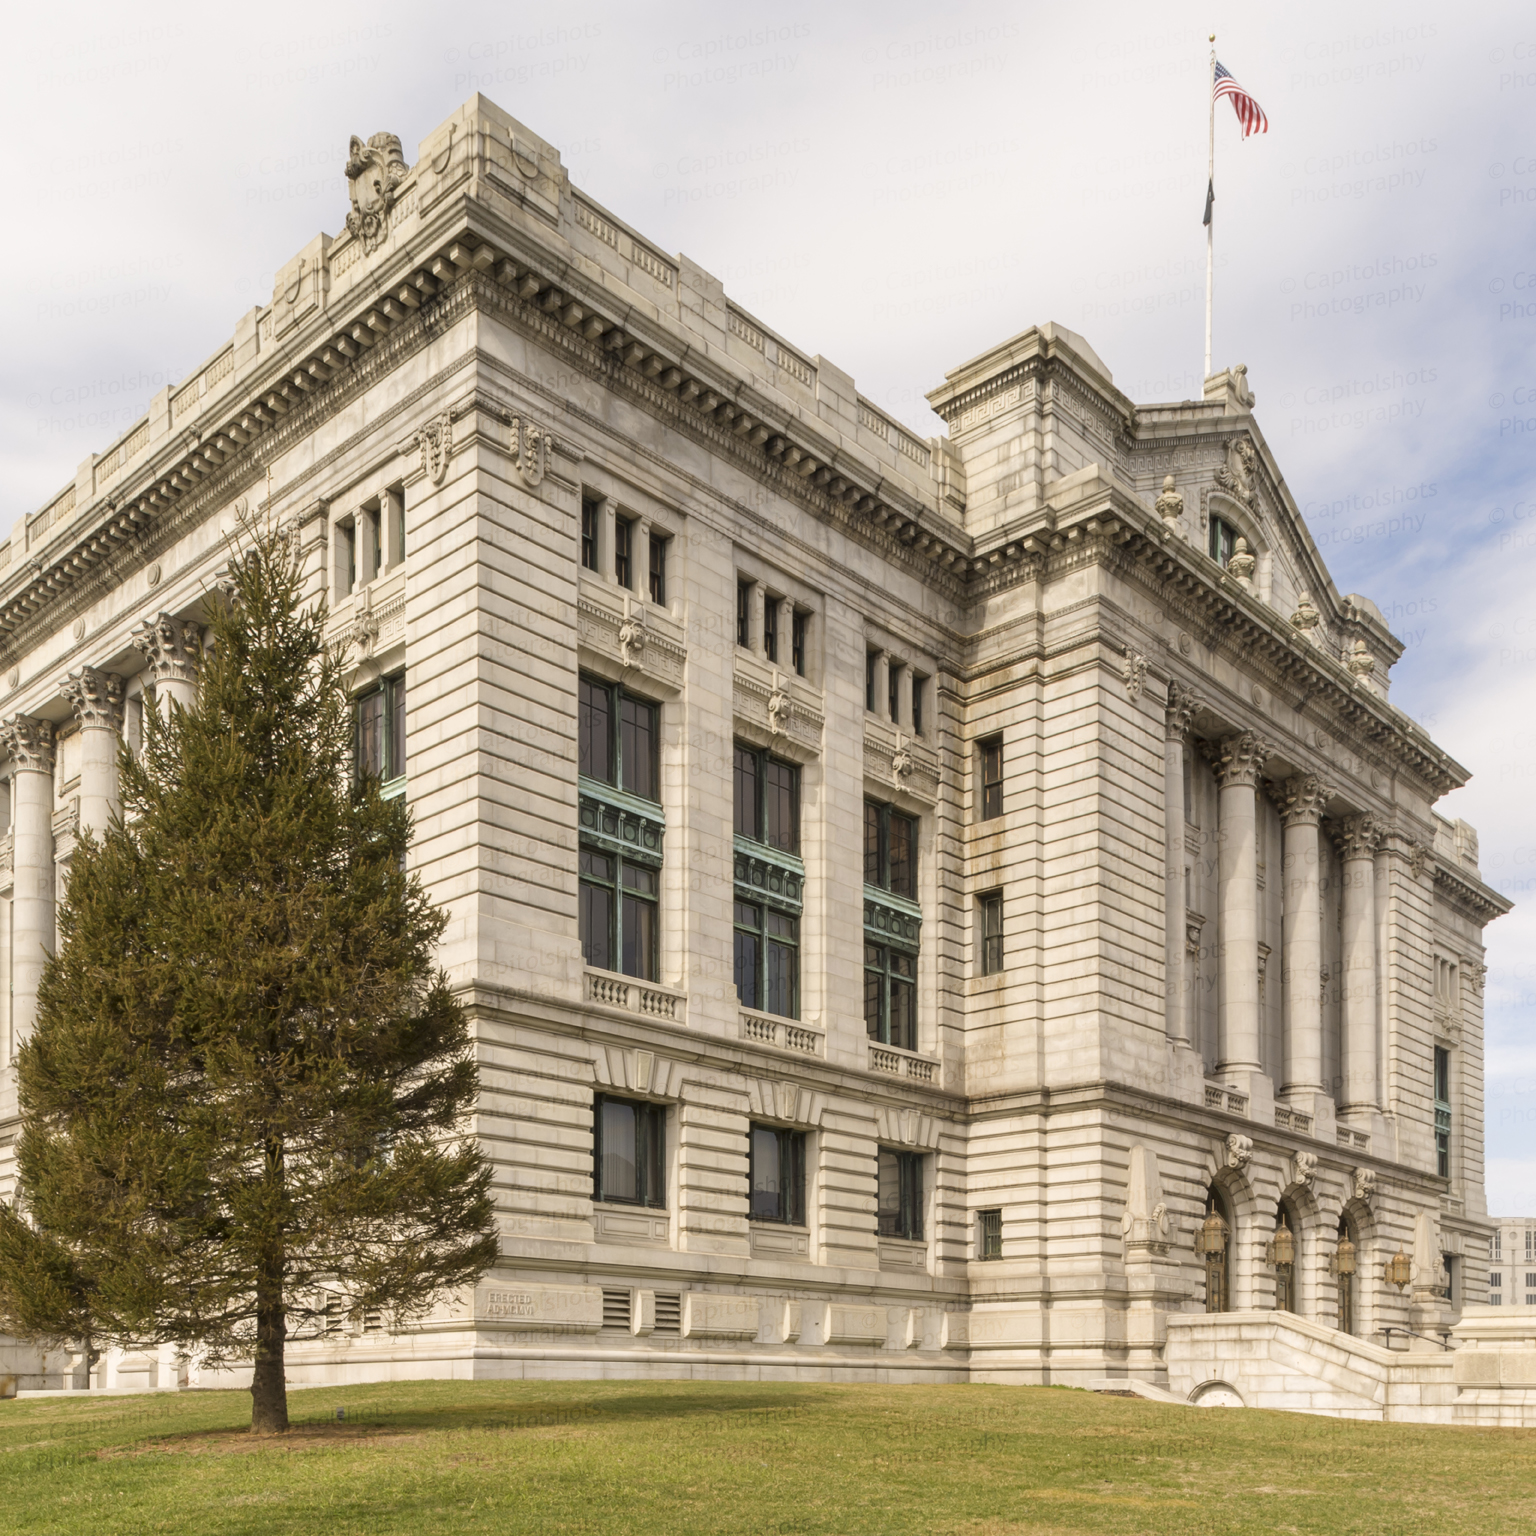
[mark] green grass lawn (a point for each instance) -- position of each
(445, 1457)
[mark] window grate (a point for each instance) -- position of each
(669, 1312)
(616, 1309)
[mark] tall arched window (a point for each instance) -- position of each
(1284, 1255)
(1213, 1242)
(1346, 1261)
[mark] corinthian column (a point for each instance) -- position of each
(1301, 809)
(171, 648)
(1182, 708)
(1357, 839)
(1238, 761)
(30, 744)
(97, 700)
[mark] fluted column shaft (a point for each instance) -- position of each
(1238, 761)
(97, 700)
(1182, 706)
(1358, 838)
(1301, 807)
(30, 743)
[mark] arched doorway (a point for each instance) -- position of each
(1345, 1266)
(1213, 1242)
(1284, 1256)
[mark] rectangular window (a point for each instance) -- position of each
(767, 796)
(591, 510)
(628, 1147)
(871, 664)
(771, 627)
(990, 915)
(900, 1200)
(1495, 1280)
(598, 909)
(659, 569)
(348, 558)
(1442, 1112)
(989, 1234)
(777, 1170)
(767, 959)
(379, 720)
(919, 693)
(618, 737)
(890, 850)
(874, 868)
(744, 613)
(990, 753)
(893, 690)
(637, 921)
(799, 630)
(890, 996)
(623, 551)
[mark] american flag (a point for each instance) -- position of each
(1249, 113)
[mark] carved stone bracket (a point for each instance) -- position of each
(29, 742)
(530, 451)
(96, 698)
(1135, 673)
(1303, 1167)
(1239, 1150)
(1364, 1183)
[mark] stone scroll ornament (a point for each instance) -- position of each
(530, 450)
(374, 173)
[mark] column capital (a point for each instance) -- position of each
(1238, 759)
(29, 741)
(1183, 705)
(1357, 837)
(1301, 800)
(170, 646)
(96, 698)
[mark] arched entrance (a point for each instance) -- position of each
(1345, 1266)
(1213, 1242)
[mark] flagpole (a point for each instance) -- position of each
(1210, 228)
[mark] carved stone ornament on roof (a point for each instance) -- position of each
(530, 450)
(435, 439)
(1301, 800)
(1170, 505)
(1135, 673)
(29, 742)
(1243, 563)
(1183, 705)
(1238, 759)
(1357, 837)
(374, 172)
(1239, 1150)
(1360, 661)
(170, 646)
(96, 698)
(1306, 618)
(1244, 395)
(1237, 476)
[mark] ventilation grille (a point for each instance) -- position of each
(373, 1321)
(669, 1312)
(616, 1309)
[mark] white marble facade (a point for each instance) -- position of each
(1160, 905)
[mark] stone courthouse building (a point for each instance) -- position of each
(930, 909)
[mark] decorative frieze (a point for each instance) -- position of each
(767, 874)
(621, 828)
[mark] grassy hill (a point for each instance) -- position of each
(440, 1458)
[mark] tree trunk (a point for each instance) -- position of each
(269, 1386)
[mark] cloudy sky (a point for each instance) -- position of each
(898, 186)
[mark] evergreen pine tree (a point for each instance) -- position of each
(249, 1083)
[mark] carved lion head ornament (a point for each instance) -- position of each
(374, 171)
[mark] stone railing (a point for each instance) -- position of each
(1357, 1141)
(1219, 1097)
(899, 1063)
(1293, 1120)
(643, 997)
(787, 1035)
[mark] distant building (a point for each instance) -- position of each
(930, 909)
(1512, 1262)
